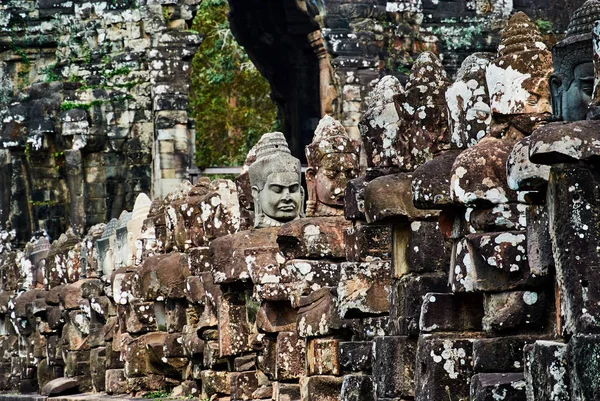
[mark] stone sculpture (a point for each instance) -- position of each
(468, 102)
(518, 78)
(275, 181)
(333, 160)
(573, 80)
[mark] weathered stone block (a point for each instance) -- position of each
(514, 310)
(235, 257)
(364, 287)
(431, 181)
(322, 356)
(365, 243)
(451, 312)
(233, 325)
(161, 277)
(355, 356)
(215, 382)
(358, 388)
(546, 371)
(318, 314)
(286, 392)
(498, 355)
(313, 238)
(310, 275)
(584, 356)
(320, 388)
(389, 198)
(244, 363)
(140, 317)
(273, 317)
(291, 355)
(407, 297)
(539, 243)
(446, 365)
(242, 385)
(502, 217)
(394, 379)
(565, 142)
(490, 386)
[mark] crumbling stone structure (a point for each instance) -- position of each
(463, 266)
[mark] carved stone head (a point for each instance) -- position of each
(275, 181)
(573, 80)
(333, 160)
(469, 112)
(518, 79)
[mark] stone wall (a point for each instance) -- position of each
(94, 98)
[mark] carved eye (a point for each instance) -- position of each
(587, 89)
(276, 188)
(294, 188)
(330, 173)
(532, 100)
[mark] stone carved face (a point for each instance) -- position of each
(275, 181)
(329, 180)
(572, 99)
(281, 197)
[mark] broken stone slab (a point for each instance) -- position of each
(161, 277)
(419, 247)
(503, 354)
(490, 386)
(318, 314)
(394, 379)
(431, 181)
(313, 238)
(407, 297)
(116, 382)
(565, 142)
(291, 356)
(479, 174)
(445, 363)
(286, 392)
(245, 363)
(365, 243)
(60, 386)
(355, 356)
(514, 310)
(583, 351)
(234, 257)
(358, 388)
(322, 356)
(574, 218)
(273, 317)
(547, 371)
(320, 388)
(389, 198)
(499, 262)
(364, 288)
(451, 312)
(521, 173)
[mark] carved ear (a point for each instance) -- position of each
(310, 174)
(556, 95)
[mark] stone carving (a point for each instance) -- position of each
(275, 181)
(140, 212)
(123, 251)
(469, 102)
(518, 79)
(573, 80)
(423, 126)
(379, 125)
(106, 247)
(594, 107)
(333, 160)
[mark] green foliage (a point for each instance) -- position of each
(544, 25)
(156, 394)
(229, 99)
(50, 74)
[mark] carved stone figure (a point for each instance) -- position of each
(333, 160)
(275, 182)
(518, 79)
(573, 80)
(469, 102)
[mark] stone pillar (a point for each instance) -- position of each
(327, 86)
(77, 191)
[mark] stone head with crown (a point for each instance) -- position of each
(573, 80)
(333, 160)
(275, 179)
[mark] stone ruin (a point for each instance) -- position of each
(461, 268)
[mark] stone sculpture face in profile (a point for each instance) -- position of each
(333, 160)
(275, 181)
(572, 83)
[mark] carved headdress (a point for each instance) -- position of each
(576, 47)
(330, 137)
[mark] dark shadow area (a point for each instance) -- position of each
(274, 34)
